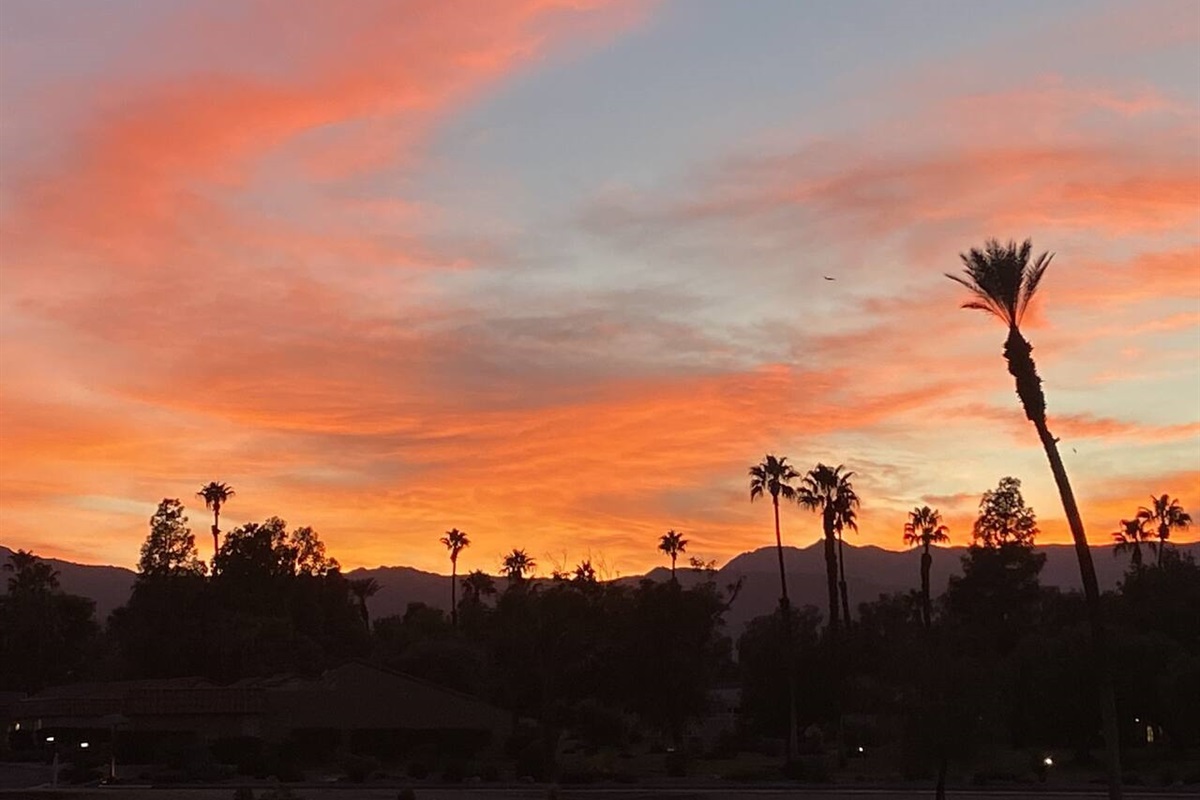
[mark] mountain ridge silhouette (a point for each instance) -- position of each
(870, 571)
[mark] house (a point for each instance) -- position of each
(356, 707)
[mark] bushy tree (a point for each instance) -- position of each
(170, 548)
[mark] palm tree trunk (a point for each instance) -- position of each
(216, 530)
(779, 549)
(831, 566)
(926, 603)
(785, 610)
(454, 592)
(842, 581)
(1018, 353)
(673, 569)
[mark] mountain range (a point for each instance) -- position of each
(870, 571)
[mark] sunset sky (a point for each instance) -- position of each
(552, 272)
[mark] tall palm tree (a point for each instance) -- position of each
(1003, 280)
(454, 540)
(828, 490)
(1167, 514)
(774, 476)
(362, 588)
(925, 528)
(1130, 538)
(215, 495)
(516, 564)
(672, 543)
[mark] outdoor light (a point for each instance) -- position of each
(1048, 761)
(860, 749)
(83, 745)
(17, 726)
(49, 740)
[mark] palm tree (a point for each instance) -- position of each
(1167, 512)
(925, 528)
(516, 564)
(215, 495)
(454, 540)
(672, 543)
(829, 490)
(773, 476)
(477, 585)
(362, 588)
(1130, 538)
(1003, 281)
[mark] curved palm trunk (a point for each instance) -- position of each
(926, 604)
(842, 581)
(1018, 353)
(1162, 545)
(831, 568)
(785, 608)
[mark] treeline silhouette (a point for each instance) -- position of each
(997, 662)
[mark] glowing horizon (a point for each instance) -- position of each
(552, 271)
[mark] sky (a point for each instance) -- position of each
(553, 271)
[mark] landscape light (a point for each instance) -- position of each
(1048, 761)
(860, 749)
(49, 740)
(83, 745)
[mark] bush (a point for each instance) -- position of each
(418, 770)
(676, 763)
(359, 768)
(243, 793)
(454, 771)
(407, 793)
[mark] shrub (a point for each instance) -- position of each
(358, 768)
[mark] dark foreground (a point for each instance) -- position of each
(541, 792)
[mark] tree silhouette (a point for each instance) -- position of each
(516, 564)
(774, 476)
(1167, 514)
(828, 490)
(1003, 281)
(925, 528)
(363, 588)
(170, 548)
(477, 585)
(672, 543)
(454, 541)
(1130, 538)
(215, 495)
(1004, 518)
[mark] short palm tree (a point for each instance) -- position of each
(1166, 514)
(672, 543)
(923, 529)
(828, 490)
(215, 495)
(774, 476)
(362, 588)
(454, 540)
(1130, 538)
(516, 564)
(1002, 280)
(477, 585)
